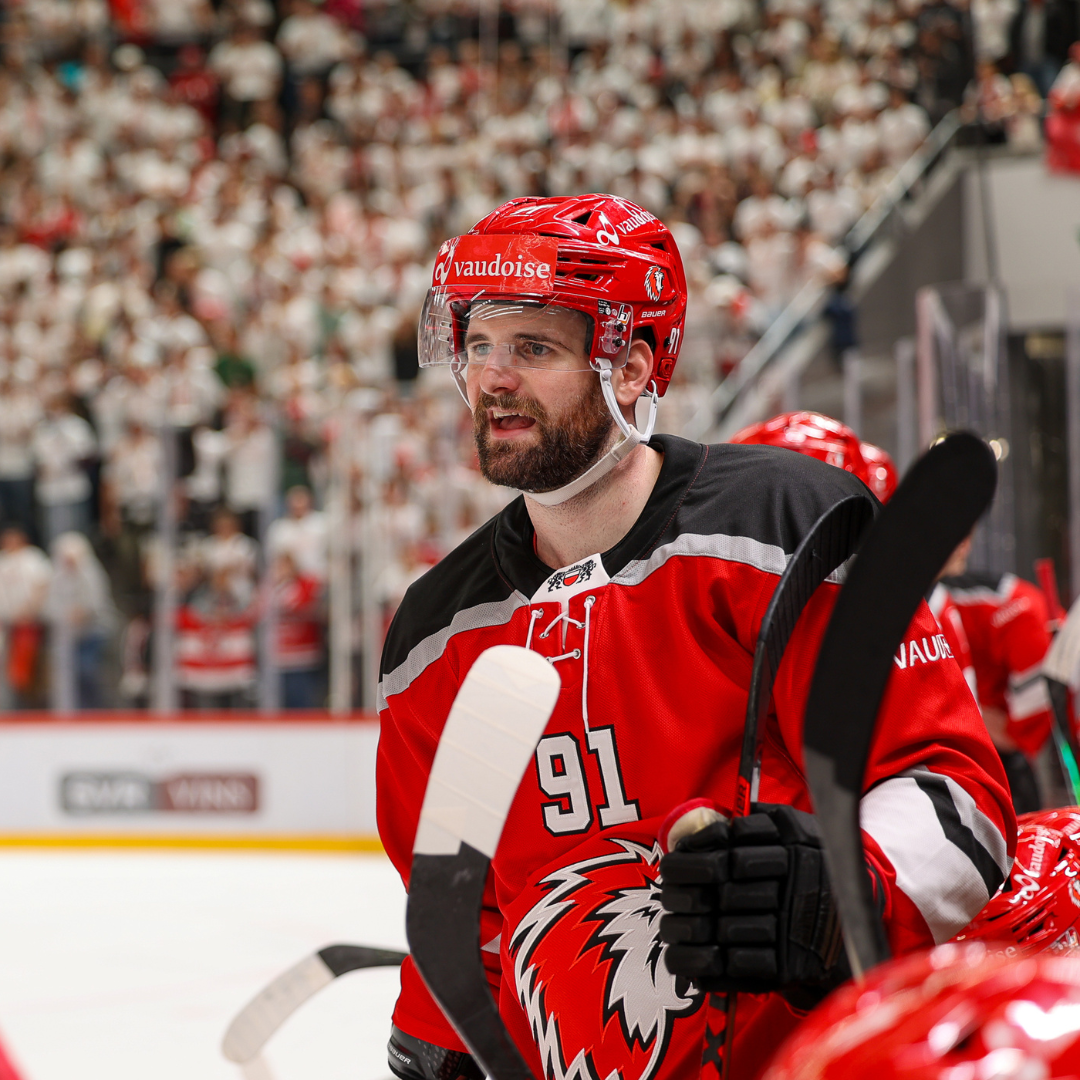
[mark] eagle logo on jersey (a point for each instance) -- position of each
(564, 579)
(654, 283)
(589, 971)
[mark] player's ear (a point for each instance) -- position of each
(632, 379)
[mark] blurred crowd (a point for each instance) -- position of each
(216, 227)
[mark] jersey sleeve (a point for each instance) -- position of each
(1022, 639)
(938, 823)
(952, 626)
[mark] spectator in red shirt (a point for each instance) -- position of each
(215, 645)
(300, 651)
(194, 84)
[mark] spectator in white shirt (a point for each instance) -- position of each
(250, 70)
(903, 126)
(311, 41)
(228, 551)
(250, 464)
(20, 412)
(64, 444)
(131, 490)
(833, 209)
(301, 534)
(80, 608)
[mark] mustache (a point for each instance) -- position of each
(518, 403)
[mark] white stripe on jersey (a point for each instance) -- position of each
(983, 594)
(949, 857)
(771, 558)
(741, 549)
(497, 613)
(1027, 693)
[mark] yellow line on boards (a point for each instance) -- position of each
(191, 840)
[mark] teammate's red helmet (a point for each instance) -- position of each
(959, 1012)
(1038, 907)
(881, 477)
(828, 439)
(1064, 818)
(599, 255)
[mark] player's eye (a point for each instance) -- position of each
(536, 350)
(479, 348)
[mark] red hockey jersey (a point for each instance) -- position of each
(1006, 620)
(654, 642)
(948, 618)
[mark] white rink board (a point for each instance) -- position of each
(285, 780)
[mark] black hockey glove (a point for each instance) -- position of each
(414, 1059)
(748, 908)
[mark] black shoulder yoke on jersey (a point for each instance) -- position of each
(975, 579)
(764, 494)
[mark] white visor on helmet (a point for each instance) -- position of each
(493, 300)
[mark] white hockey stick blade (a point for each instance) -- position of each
(256, 1069)
(271, 1007)
(259, 1020)
(502, 707)
(1063, 655)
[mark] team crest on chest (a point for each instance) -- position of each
(570, 580)
(589, 971)
(569, 577)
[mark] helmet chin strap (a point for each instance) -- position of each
(631, 439)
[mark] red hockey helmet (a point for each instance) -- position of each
(1064, 818)
(1038, 907)
(881, 477)
(606, 258)
(958, 1012)
(829, 440)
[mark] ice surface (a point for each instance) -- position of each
(124, 966)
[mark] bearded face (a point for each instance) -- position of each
(563, 446)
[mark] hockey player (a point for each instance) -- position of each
(828, 440)
(1006, 622)
(640, 566)
(832, 441)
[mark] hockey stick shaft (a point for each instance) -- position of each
(832, 539)
(935, 507)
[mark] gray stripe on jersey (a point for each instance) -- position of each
(982, 594)
(426, 652)
(927, 850)
(741, 549)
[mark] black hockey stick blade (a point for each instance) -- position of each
(831, 541)
(1058, 668)
(272, 1006)
(934, 508)
(496, 720)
